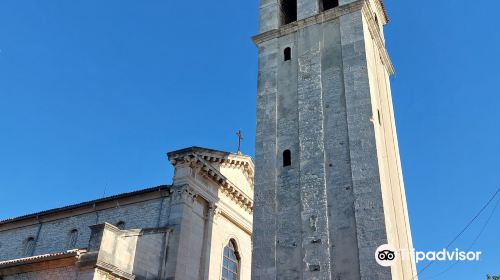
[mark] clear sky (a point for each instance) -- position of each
(93, 94)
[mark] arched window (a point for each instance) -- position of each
(120, 225)
(29, 246)
(287, 158)
(72, 239)
(231, 262)
(287, 54)
(288, 11)
(329, 4)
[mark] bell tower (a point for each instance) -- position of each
(328, 181)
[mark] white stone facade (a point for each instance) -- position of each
(169, 232)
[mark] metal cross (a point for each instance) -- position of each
(240, 137)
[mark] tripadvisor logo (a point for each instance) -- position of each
(385, 255)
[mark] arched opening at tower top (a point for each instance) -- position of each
(288, 11)
(329, 4)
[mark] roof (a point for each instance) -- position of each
(196, 148)
(221, 154)
(201, 150)
(215, 156)
(83, 204)
(40, 258)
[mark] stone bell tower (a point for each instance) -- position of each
(328, 182)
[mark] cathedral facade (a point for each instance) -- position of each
(197, 228)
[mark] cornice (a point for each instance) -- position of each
(113, 270)
(227, 187)
(234, 161)
(201, 161)
(323, 17)
(381, 6)
(213, 156)
(203, 167)
(360, 5)
(376, 34)
(246, 227)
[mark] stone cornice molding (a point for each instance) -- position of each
(381, 6)
(225, 159)
(246, 227)
(201, 163)
(184, 193)
(376, 34)
(315, 19)
(360, 5)
(227, 187)
(234, 161)
(113, 270)
(218, 210)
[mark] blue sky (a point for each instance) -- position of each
(93, 94)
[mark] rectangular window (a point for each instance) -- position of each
(329, 4)
(288, 11)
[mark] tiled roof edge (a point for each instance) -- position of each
(82, 204)
(33, 259)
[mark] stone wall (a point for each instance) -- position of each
(52, 236)
(224, 229)
(393, 191)
(201, 213)
(324, 216)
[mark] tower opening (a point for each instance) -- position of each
(287, 54)
(288, 11)
(287, 158)
(329, 4)
(376, 20)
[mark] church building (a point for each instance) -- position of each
(198, 228)
(329, 188)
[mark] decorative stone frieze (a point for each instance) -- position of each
(183, 193)
(207, 163)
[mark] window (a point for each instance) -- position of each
(231, 262)
(287, 158)
(72, 239)
(121, 225)
(287, 54)
(29, 246)
(288, 11)
(379, 117)
(329, 4)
